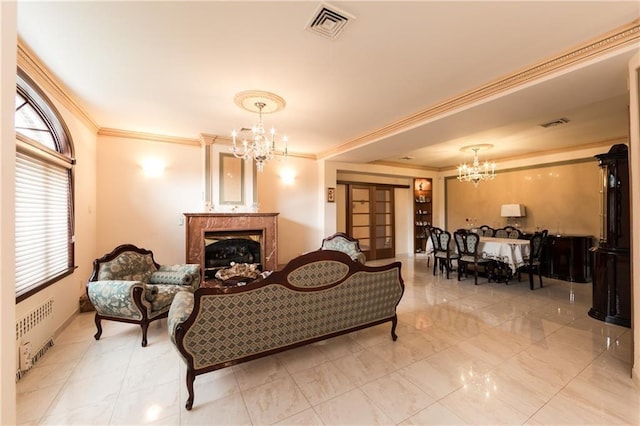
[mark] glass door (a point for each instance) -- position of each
(360, 217)
(371, 221)
(384, 229)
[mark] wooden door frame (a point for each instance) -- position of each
(371, 187)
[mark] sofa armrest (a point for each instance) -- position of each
(118, 298)
(191, 269)
(180, 310)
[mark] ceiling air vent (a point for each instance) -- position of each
(329, 21)
(554, 123)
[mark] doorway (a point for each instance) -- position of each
(370, 219)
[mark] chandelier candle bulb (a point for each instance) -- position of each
(476, 172)
(259, 147)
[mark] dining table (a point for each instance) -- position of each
(510, 251)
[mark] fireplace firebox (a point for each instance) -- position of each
(222, 249)
(214, 240)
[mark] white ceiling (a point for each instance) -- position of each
(173, 68)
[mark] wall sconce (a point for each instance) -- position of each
(153, 167)
(288, 176)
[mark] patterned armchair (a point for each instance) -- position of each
(346, 244)
(128, 285)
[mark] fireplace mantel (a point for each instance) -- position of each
(200, 223)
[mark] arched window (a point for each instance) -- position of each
(44, 192)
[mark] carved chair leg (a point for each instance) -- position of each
(145, 326)
(531, 279)
(190, 378)
(540, 277)
(394, 323)
(98, 326)
(448, 267)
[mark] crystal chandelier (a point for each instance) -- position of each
(256, 143)
(476, 172)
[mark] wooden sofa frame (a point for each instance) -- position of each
(383, 284)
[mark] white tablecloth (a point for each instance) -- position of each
(510, 251)
(429, 246)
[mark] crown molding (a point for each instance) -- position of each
(28, 62)
(619, 38)
(606, 143)
(404, 165)
(207, 139)
(148, 136)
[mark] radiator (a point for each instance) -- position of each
(34, 336)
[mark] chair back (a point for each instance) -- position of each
(467, 243)
(434, 234)
(126, 262)
(344, 243)
(536, 243)
(444, 239)
(508, 232)
(486, 231)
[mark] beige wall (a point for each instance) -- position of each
(562, 197)
(146, 210)
(634, 164)
(7, 203)
(299, 203)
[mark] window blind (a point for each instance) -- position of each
(42, 221)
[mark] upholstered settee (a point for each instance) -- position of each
(127, 285)
(346, 244)
(318, 295)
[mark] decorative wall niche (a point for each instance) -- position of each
(229, 183)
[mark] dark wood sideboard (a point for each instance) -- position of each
(567, 257)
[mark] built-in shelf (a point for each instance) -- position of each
(422, 212)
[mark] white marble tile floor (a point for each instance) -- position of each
(491, 354)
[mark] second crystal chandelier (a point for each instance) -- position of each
(476, 172)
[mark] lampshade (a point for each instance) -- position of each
(513, 210)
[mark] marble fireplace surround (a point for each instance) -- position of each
(198, 224)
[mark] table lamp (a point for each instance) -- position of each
(513, 211)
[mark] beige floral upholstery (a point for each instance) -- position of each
(317, 295)
(127, 285)
(344, 243)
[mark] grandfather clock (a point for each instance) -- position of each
(611, 265)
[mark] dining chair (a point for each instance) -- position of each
(508, 232)
(485, 231)
(427, 236)
(533, 262)
(443, 253)
(468, 243)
